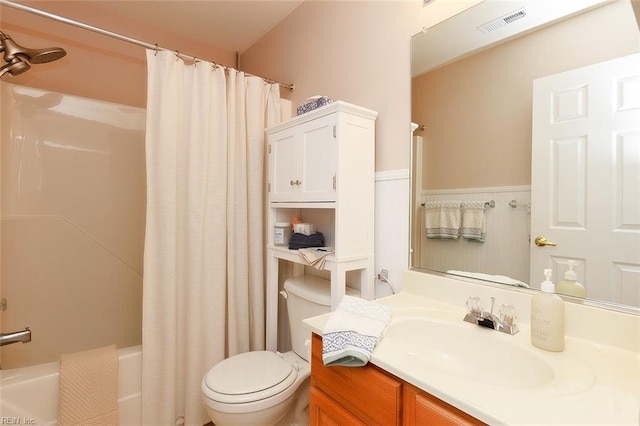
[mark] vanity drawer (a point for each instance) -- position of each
(367, 392)
(324, 411)
(420, 408)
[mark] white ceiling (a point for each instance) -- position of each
(232, 25)
(456, 37)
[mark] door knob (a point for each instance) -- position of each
(542, 241)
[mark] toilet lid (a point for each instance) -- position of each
(250, 376)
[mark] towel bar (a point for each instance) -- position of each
(513, 204)
(491, 203)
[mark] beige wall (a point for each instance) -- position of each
(355, 51)
(478, 110)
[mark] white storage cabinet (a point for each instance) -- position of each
(321, 169)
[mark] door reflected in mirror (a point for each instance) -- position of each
(483, 112)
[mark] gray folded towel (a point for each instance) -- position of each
(298, 241)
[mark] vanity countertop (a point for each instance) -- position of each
(501, 378)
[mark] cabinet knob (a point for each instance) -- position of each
(291, 182)
(298, 182)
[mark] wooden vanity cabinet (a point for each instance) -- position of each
(421, 408)
(359, 395)
(324, 411)
(371, 396)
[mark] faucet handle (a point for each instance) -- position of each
(474, 306)
(507, 314)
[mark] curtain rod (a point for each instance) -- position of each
(290, 86)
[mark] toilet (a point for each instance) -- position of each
(260, 387)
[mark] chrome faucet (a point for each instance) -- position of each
(506, 321)
(23, 336)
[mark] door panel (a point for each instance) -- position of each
(586, 177)
(318, 146)
(283, 169)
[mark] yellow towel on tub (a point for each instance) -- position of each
(88, 387)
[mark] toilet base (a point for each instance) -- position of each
(298, 414)
(270, 416)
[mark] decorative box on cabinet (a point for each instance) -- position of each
(371, 396)
(321, 169)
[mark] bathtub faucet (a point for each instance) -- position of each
(23, 336)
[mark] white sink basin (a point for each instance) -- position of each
(482, 355)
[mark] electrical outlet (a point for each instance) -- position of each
(383, 275)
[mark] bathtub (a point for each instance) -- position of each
(29, 395)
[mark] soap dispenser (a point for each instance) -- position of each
(547, 317)
(570, 285)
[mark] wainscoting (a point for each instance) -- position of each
(392, 225)
(506, 247)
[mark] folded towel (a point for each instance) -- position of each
(352, 331)
(488, 277)
(315, 256)
(474, 220)
(88, 387)
(298, 241)
(442, 219)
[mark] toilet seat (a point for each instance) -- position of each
(249, 377)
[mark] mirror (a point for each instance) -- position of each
(472, 85)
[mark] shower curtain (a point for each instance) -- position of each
(203, 286)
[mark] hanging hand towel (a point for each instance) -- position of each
(474, 221)
(352, 331)
(88, 388)
(442, 219)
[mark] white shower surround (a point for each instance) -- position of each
(68, 163)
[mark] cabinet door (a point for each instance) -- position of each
(420, 408)
(283, 166)
(323, 411)
(318, 159)
(369, 393)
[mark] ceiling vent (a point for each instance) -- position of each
(501, 22)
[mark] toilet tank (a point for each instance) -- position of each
(307, 296)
